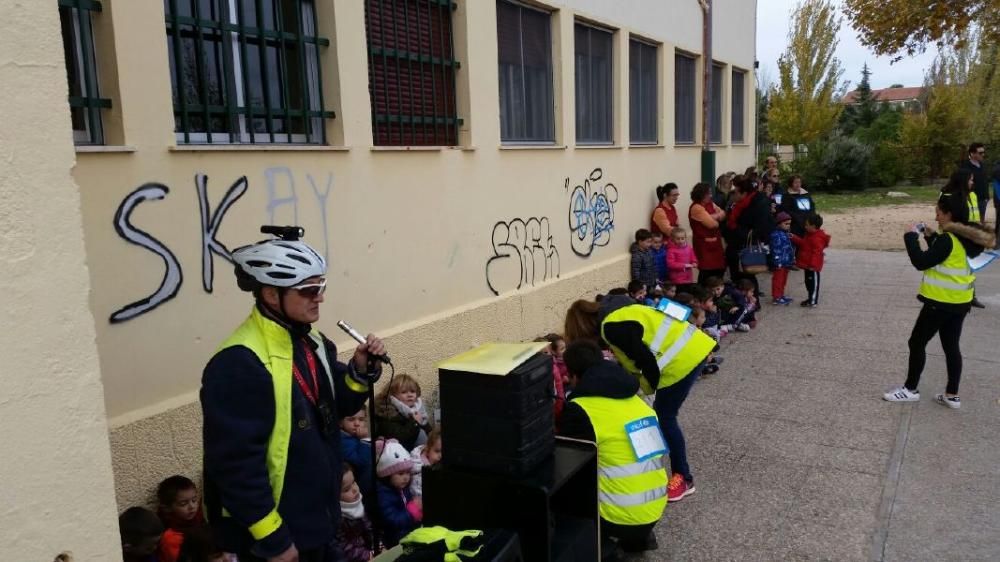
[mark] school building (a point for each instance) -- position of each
(468, 167)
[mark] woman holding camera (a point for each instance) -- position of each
(946, 291)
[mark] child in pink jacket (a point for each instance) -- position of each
(681, 261)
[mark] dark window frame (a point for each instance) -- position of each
(737, 131)
(639, 93)
(685, 94)
(229, 40)
(84, 97)
(715, 132)
(608, 90)
(404, 64)
(507, 84)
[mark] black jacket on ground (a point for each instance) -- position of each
(981, 184)
(238, 407)
(606, 380)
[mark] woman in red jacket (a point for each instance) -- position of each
(705, 235)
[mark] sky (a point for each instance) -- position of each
(772, 37)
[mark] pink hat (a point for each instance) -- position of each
(782, 217)
(392, 458)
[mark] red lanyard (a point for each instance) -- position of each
(312, 393)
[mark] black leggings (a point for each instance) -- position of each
(948, 324)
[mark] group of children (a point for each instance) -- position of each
(406, 442)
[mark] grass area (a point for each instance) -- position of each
(844, 202)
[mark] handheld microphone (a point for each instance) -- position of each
(356, 336)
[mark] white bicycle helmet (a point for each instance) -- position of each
(277, 263)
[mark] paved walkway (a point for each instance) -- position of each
(796, 456)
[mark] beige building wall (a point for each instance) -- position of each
(436, 249)
(55, 469)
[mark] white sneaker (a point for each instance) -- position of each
(954, 402)
(743, 328)
(902, 394)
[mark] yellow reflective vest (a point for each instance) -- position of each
(974, 208)
(951, 280)
(630, 491)
(678, 346)
(272, 344)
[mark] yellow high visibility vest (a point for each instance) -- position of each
(272, 344)
(950, 281)
(630, 491)
(678, 346)
(974, 208)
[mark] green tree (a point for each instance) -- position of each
(763, 133)
(802, 106)
(907, 26)
(865, 109)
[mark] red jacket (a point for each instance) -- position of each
(677, 258)
(810, 249)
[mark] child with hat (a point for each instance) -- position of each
(782, 258)
(401, 511)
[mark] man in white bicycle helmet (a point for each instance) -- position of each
(272, 399)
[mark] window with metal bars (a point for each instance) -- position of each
(411, 72)
(715, 131)
(594, 89)
(85, 101)
(524, 46)
(642, 92)
(736, 134)
(246, 71)
(684, 102)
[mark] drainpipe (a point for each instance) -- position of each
(707, 155)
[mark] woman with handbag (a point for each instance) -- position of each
(705, 235)
(748, 222)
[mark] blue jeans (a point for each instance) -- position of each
(667, 403)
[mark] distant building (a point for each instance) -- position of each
(907, 99)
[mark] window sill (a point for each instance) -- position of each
(599, 147)
(632, 146)
(686, 145)
(85, 148)
(740, 144)
(532, 147)
(422, 148)
(257, 148)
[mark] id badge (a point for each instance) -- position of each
(674, 309)
(646, 438)
(803, 204)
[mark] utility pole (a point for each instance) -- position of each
(707, 155)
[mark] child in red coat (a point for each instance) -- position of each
(681, 261)
(811, 248)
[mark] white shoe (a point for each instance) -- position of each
(954, 402)
(743, 328)
(902, 394)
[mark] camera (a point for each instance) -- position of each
(286, 233)
(922, 227)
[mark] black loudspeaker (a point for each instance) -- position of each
(498, 423)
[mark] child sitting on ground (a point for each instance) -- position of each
(355, 533)
(734, 307)
(669, 290)
(713, 320)
(400, 414)
(681, 261)
(179, 508)
(428, 454)
(659, 252)
(400, 511)
(782, 257)
(140, 530)
(637, 290)
(555, 350)
(200, 546)
(356, 450)
(812, 247)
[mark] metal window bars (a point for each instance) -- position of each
(85, 101)
(411, 68)
(246, 71)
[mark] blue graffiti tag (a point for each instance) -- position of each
(591, 214)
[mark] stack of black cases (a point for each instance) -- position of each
(498, 423)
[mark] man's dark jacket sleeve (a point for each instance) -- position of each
(627, 336)
(576, 424)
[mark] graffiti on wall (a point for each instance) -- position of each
(523, 254)
(283, 206)
(591, 213)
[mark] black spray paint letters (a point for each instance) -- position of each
(591, 213)
(523, 253)
(172, 276)
(210, 223)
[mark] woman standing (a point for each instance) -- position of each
(797, 202)
(749, 220)
(665, 354)
(723, 187)
(705, 234)
(946, 291)
(664, 217)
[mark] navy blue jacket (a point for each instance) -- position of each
(782, 251)
(396, 520)
(237, 398)
(358, 454)
(660, 260)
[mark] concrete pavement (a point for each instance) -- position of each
(796, 456)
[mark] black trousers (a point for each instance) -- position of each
(812, 286)
(632, 538)
(948, 325)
